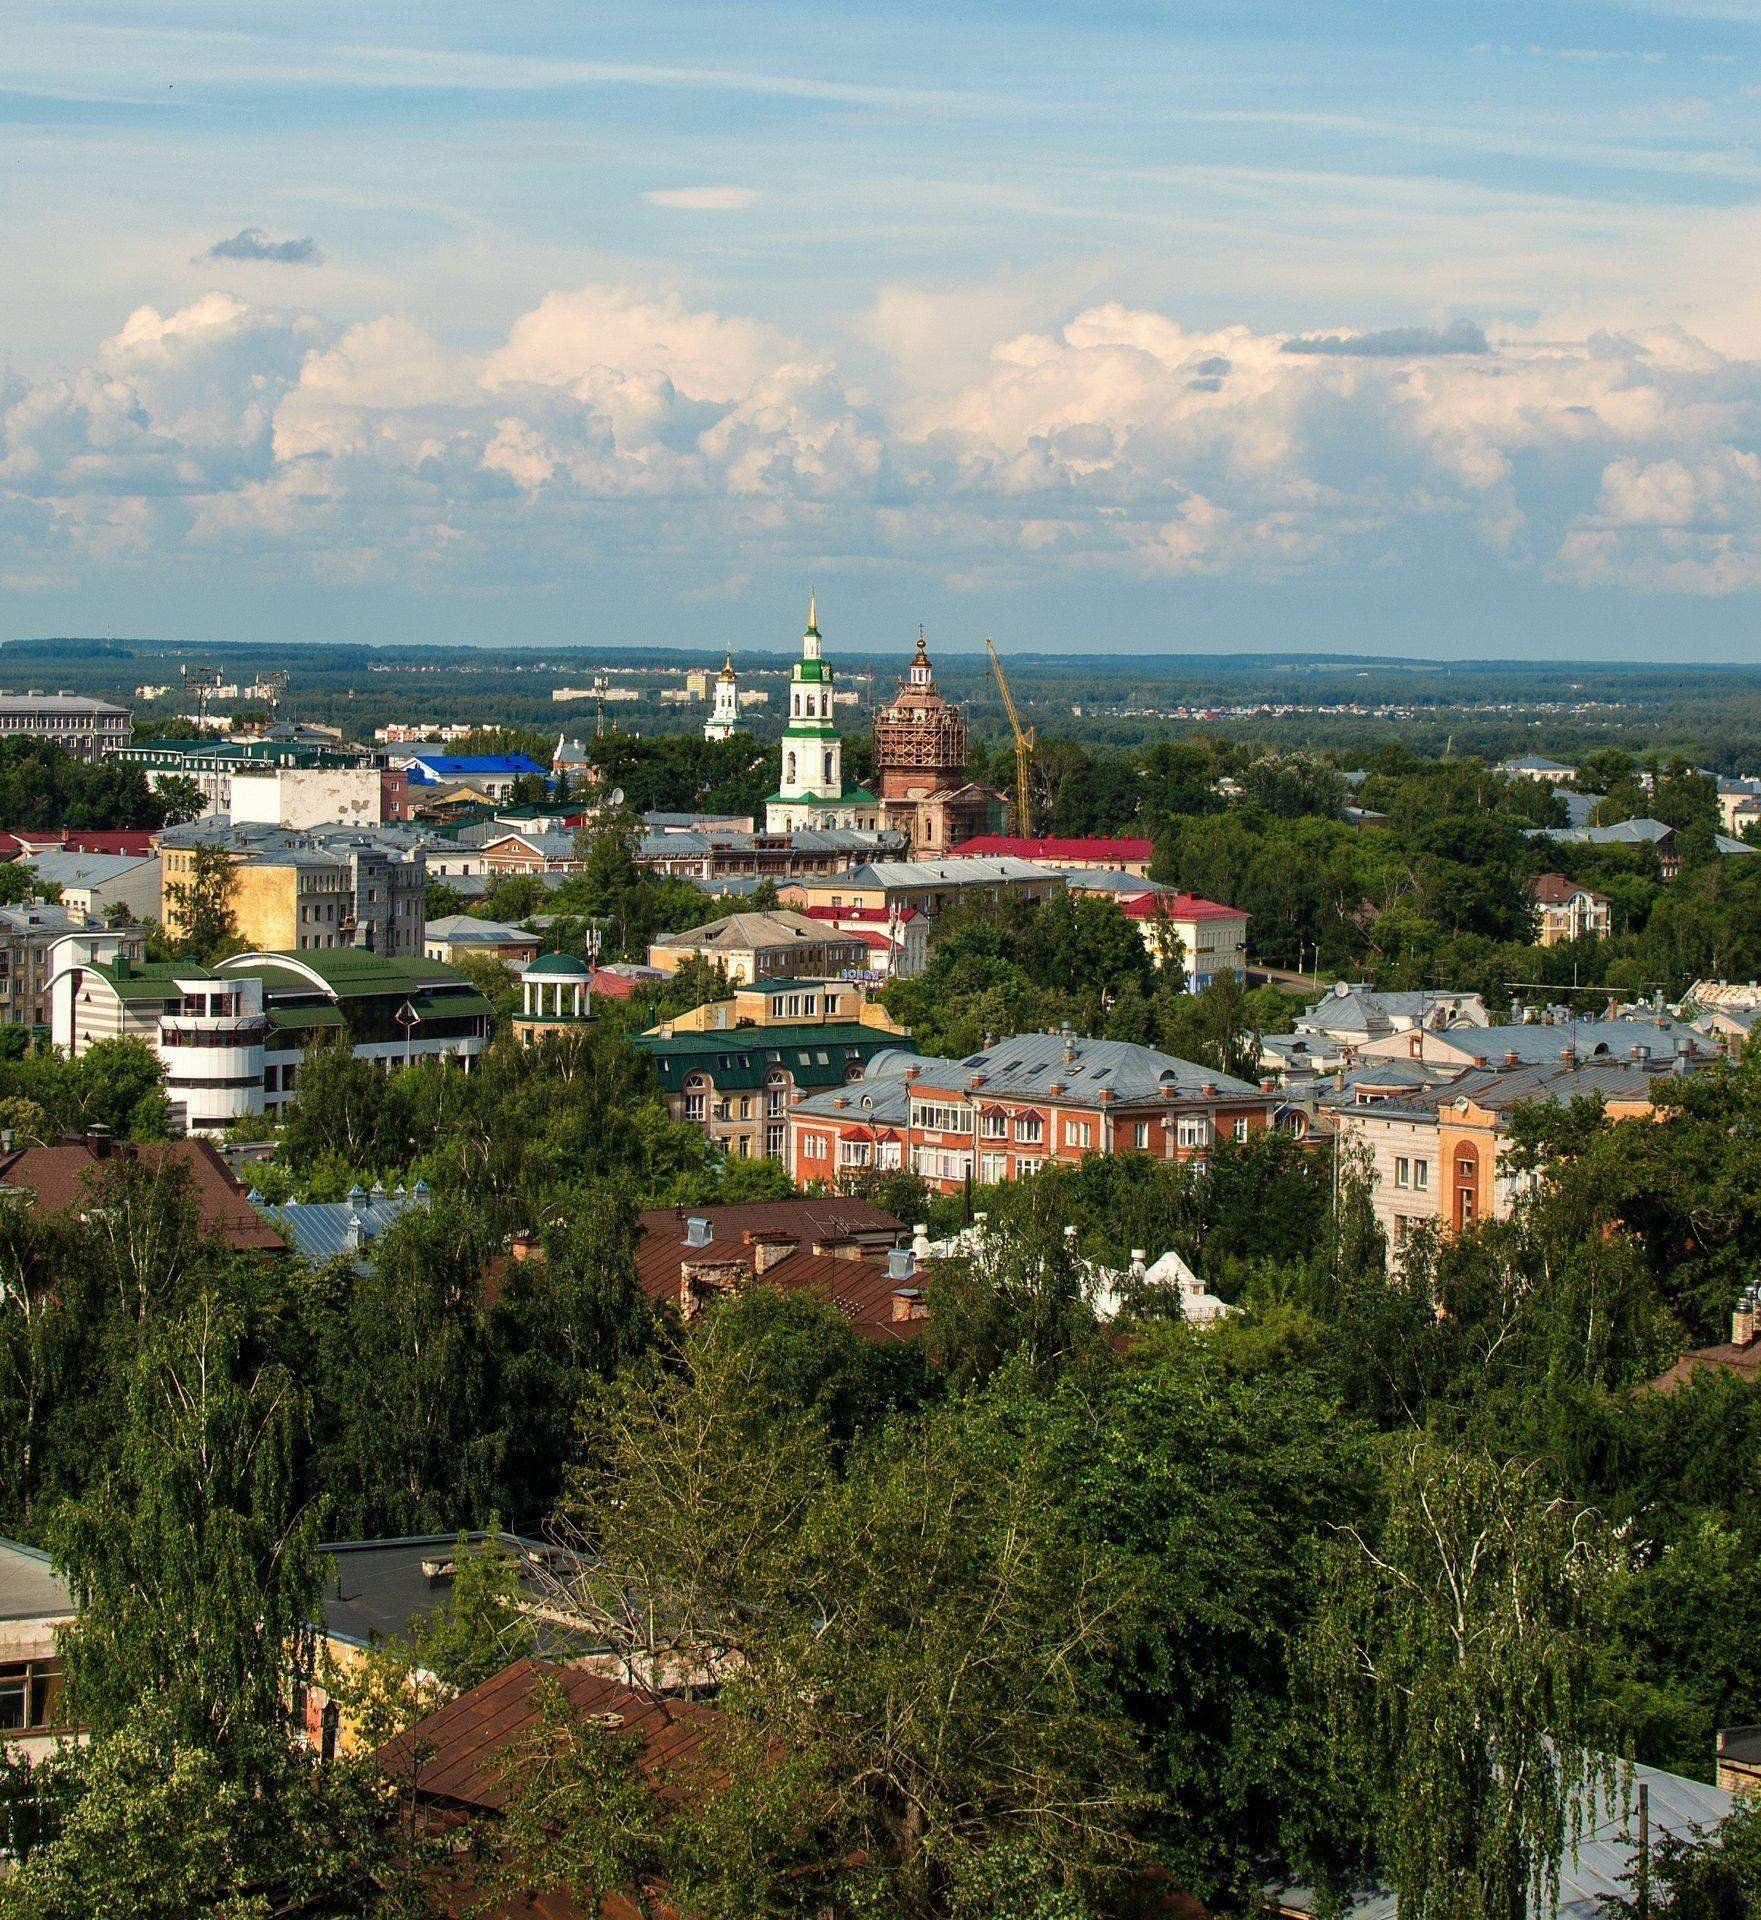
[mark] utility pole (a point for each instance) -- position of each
(1644, 1851)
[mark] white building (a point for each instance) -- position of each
(307, 796)
(93, 883)
(724, 713)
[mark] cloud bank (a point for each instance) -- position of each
(627, 423)
(252, 243)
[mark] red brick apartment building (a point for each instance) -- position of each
(1006, 1112)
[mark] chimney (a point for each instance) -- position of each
(920, 1241)
(909, 1304)
(100, 1140)
(1745, 1322)
(1069, 1044)
(698, 1231)
(901, 1263)
(1568, 1056)
(768, 1249)
(1139, 1260)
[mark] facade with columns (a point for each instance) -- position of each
(811, 792)
(724, 713)
(556, 992)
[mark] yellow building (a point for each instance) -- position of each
(295, 892)
(786, 1003)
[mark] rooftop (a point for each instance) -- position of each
(30, 1588)
(742, 932)
(1031, 1064)
(61, 1178)
(378, 1590)
(1052, 848)
(813, 1056)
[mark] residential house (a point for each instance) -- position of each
(739, 1087)
(36, 1604)
(37, 941)
(1536, 766)
(1004, 1112)
(1654, 834)
(785, 1003)
(1565, 910)
(1338, 1026)
(763, 946)
(454, 935)
(1740, 1356)
(836, 1247)
(96, 885)
(320, 1231)
(1561, 1039)
(67, 1176)
(1206, 937)
(1133, 854)
(926, 886)
(1435, 1155)
(380, 1592)
(897, 945)
(309, 890)
(712, 853)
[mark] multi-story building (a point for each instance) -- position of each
(1126, 855)
(298, 892)
(309, 796)
(895, 887)
(96, 884)
(455, 935)
(811, 791)
(88, 729)
(897, 943)
(36, 942)
(1435, 1155)
(1536, 766)
(1559, 1040)
(1007, 1111)
(708, 853)
(231, 1037)
(36, 1609)
(494, 773)
(1208, 938)
(920, 751)
(739, 1086)
(785, 1003)
(1564, 911)
(763, 946)
(525, 851)
(211, 764)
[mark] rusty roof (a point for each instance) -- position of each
(62, 1179)
(815, 1221)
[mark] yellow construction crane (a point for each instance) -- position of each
(1024, 739)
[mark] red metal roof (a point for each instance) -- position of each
(1179, 906)
(63, 1178)
(993, 846)
(138, 841)
(877, 914)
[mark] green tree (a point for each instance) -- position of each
(201, 906)
(1454, 1652)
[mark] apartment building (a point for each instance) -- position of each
(311, 796)
(88, 729)
(211, 764)
(785, 1003)
(896, 887)
(1564, 911)
(306, 891)
(763, 946)
(1208, 938)
(1008, 1111)
(739, 1086)
(36, 942)
(95, 885)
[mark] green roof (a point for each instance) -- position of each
(738, 1061)
(290, 1018)
(443, 1006)
(557, 966)
(850, 797)
(350, 973)
(812, 670)
(146, 979)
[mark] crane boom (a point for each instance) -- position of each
(1024, 742)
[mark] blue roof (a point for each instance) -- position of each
(462, 766)
(319, 1229)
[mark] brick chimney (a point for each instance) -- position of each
(1745, 1322)
(769, 1246)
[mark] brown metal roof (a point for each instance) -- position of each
(817, 1220)
(861, 1290)
(1744, 1362)
(462, 1750)
(63, 1178)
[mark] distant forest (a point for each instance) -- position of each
(1709, 714)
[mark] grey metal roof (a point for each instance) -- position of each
(42, 919)
(1107, 880)
(1543, 1041)
(739, 932)
(321, 1230)
(1600, 1864)
(62, 869)
(465, 929)
(71, 705)
(966, 871)
(30, 1588)
(1032, 1063)
(882, 1097)
(376, 1590)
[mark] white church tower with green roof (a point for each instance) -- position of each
(811, 791)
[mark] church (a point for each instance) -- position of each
(811, 792)
(920, 749)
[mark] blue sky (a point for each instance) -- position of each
(1432, 329)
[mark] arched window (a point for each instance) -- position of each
(1467, 1186)
(828, 766)
(791, 766)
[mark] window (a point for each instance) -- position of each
(1241, 1127)
(1402, 1171)
(941, 1119)
(1421, 1175)
(855, 1153)
(1140, 1135)
(25, 1689)
(1030, 1129)
(993, 1167)
(1079, 1133)
(1193, 1131)
(696, 1107)
(994, 1125)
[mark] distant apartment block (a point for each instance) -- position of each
(88, 729)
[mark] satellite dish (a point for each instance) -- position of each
(617, 796)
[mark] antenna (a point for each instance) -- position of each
(201, 681)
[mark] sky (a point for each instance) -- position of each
(1112, 325)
